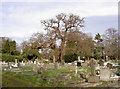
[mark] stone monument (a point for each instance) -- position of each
(105, 74)
(16, 63)
(93, 78)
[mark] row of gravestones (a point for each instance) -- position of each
(105, 65)
(104, 73)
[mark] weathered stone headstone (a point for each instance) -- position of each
(105, 74)
(101, 62)
(84, 76)
(107, 58)
(109, 65)
(97, 67)
(35, 68)
(76, 69)
(44, 65)
(84, 64)
(16, 63)
(93, 78)
(92, 65)
(41, 70)
(56, 65)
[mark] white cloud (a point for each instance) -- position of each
(27, 21)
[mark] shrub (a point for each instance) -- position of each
(70, 57)
(15, 52)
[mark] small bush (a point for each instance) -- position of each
(70, 58)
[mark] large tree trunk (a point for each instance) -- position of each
(61, 54)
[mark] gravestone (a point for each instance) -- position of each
(10, 67)
(101, 62)
(22, 62)
(105, 74)
(97, 67)
(78, 58)
(84, 64)
(41, 70)
(109, 65)
(44, 65)
(16, 63)
(107, 58)
(93, 78)
(34, 68)
(56, 65)
(35, 62)
(92, 65)
(76, 69)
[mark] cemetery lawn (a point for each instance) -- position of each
(14, 79)
(10, 79)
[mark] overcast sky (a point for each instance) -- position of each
(21, 19)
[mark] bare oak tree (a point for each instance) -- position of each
(59, 27)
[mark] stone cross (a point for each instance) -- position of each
(93, 78)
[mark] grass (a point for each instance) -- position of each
(12, 79)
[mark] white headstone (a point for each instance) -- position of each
(35, 62)
(105, 74)
(97, 67)
(22, 62)
(78, 58)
